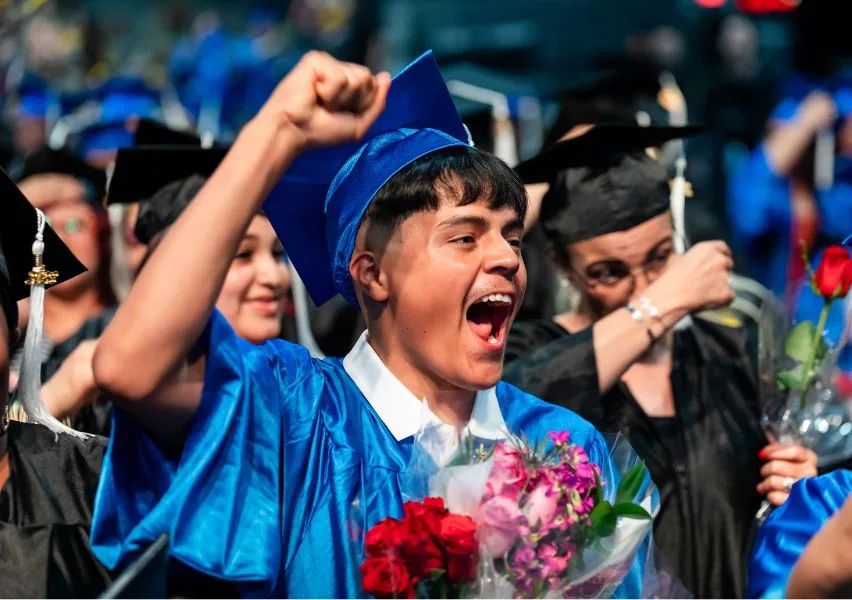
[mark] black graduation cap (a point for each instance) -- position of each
(141, 171)
(47, 160)
(153, 133)
(18, 226)
(602, 181)
(163, 179)
(599, 142)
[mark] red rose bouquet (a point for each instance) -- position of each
(429, 553)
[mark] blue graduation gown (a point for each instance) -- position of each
(782, 539)
(760, 212)
(262, 492)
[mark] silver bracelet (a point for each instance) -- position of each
(635, 313)
(649, 307)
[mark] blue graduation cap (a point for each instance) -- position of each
(120, 99)
(317, 207)
(34, 97)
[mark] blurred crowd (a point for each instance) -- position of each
(113, 118)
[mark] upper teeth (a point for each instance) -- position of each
(501, 298)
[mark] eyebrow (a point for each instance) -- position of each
(658, 245)
(464, 220)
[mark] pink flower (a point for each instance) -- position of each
(523, 556)
(553, 562)
(508, 474)
(559, 439)
(541, 504)
(500, 521)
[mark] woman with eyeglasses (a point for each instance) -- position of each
(635, 357)
(70, 193)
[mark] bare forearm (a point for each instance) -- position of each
(785, 146)
(825, 567)
(174, 294)
(619, 340)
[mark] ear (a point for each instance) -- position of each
(367, 275)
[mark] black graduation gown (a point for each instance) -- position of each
(703, 460)
(45, 515)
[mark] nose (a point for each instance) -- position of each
(640, 281)
(271, 272)
(503, 258)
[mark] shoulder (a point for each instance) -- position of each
(525, 413)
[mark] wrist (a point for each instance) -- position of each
(275, 137)
(670, 308)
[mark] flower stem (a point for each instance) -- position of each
(823, 317)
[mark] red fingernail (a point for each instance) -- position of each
(762, 454)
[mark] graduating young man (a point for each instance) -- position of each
(251, 457)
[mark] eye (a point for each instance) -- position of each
(607, 273)
(244, 255)
(516, 243)
(279, 254)
(463, 240)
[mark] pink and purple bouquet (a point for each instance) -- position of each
(549, 522)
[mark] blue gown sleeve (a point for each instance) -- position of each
(784, 535)
(758, 201)
(220, 498)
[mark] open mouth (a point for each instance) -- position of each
(488, 318)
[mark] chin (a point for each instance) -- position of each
(261, 330)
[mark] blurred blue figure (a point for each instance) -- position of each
(776, 201)
(222, 80)
(122, 102)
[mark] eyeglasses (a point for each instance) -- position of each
(613, 273)
(70, 225)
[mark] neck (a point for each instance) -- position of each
(64, 316)
(449, 403)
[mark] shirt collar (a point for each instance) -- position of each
(400, 410)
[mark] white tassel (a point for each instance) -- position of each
(28, 393)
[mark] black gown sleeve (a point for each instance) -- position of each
(548, 362)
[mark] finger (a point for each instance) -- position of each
(366, 119)
(364, 87)
(787, 468)
(774, 483)
(789, 452)
(330, 77)
(778, 498)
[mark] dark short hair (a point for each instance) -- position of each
(465, 174)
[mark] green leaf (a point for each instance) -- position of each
(631, 510)
(792, 379)
(598, 489)
(630, 483)
(604, 519)
(800, 341)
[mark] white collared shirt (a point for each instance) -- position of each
(404, 415)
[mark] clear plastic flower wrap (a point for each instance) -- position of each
(517, 518)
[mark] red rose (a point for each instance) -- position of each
(462, 569)
(422, 556)
(458, 533)
(425, 516)
(386, 577)
(385, 537)
(833, 276)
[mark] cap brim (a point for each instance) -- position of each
(601, 139)
(47, 160)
